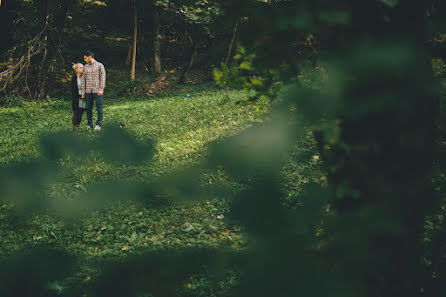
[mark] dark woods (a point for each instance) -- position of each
(44, 37)
(34, 38)
(377, 120)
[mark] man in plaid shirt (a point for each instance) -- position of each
(93, 84)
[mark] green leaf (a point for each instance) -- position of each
(218, 74)
(256, 82)
(247, 65)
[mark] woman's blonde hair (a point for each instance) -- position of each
(76, 65)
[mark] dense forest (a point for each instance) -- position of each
(248, 148)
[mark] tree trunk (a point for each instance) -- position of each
(135, 35)
(129, 55)
(42, 73)
(142, 41)
(43, 69)
(157, 41)
(191, 61)
(231, 44)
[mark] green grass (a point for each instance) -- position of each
(182, 126)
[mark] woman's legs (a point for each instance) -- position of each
(77, 117)
(74, 119)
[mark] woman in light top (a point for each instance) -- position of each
(78, 104)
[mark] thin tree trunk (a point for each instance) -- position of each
(41, 79)
(157, 42)
(135, 35)
(42, 74)
(191, 62)
(142, 41)
(129, 55)
(231, 44)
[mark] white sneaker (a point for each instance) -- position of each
(89, 127)
(97, 128)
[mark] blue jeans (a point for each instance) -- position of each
(90, 98)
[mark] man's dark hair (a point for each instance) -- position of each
(88, 54)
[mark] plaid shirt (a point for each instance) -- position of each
(93, 80)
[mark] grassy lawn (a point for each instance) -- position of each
(182, 126)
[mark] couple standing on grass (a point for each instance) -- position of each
(87, 87)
